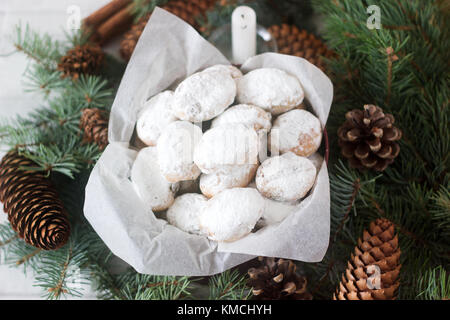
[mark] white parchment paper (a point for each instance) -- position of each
(168, 51)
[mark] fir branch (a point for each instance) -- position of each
(440, 210)
(229, 285)
(42, 49)
(27, 257)
(38, 78)
(63, 272)
(134, 286)
(435, 284)
(91, 92)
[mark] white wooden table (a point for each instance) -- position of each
(46, 16)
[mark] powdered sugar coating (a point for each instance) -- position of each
(285, 178)
(236, 176)
(232, 214)
(185, 212)
(175, 151)
(149, 183)
(226, 146)
(232, 70)
(247, 114)
(272, 89)
(204, 95)
(154, 117)
(297, 131)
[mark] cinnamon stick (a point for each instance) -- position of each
(105, 12)
(116, 24)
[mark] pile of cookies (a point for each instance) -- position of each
(206, 162)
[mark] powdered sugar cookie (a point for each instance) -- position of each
(298, 131)
(226, 146)
(154, 190)
(175, 151)
(285, 178)
(232, 214)
(247, 114)
(185, 211)
(237, 176)
(154, 117)
(272, 89)
(204, 95)
(232, 70)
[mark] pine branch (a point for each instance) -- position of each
(229, 285)
(63, 272)
(41, 48)
(435, 284)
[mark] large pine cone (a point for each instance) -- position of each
(32, 204)
(94, 123)
(362, 281)
(277, 279)
(292, 41)
(367, 138)
(189, 11)
(84, 59)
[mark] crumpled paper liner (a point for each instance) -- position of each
(168, 51)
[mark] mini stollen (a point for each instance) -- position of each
(272, 89)
(185, 213)
(154, 190)
(232, 214)
(224, 147)
(176, 147)
(298, 131)
(285, 178)
(155, 117)
(204, 95)
(163, 58)
(236, 176)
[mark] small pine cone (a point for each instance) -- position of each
(292, 41)
(277, 279)
(189, 11)
(368, 138)
(83, 59)
(94, 123)
(34, 209)
(373, 270)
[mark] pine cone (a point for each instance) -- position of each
(367, 138)
(378, 247)
(94, 123)
(277, 279)
(32, 204)
(189, 11)
(292, 41)
(84, 59)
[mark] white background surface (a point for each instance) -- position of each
(45, 16)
